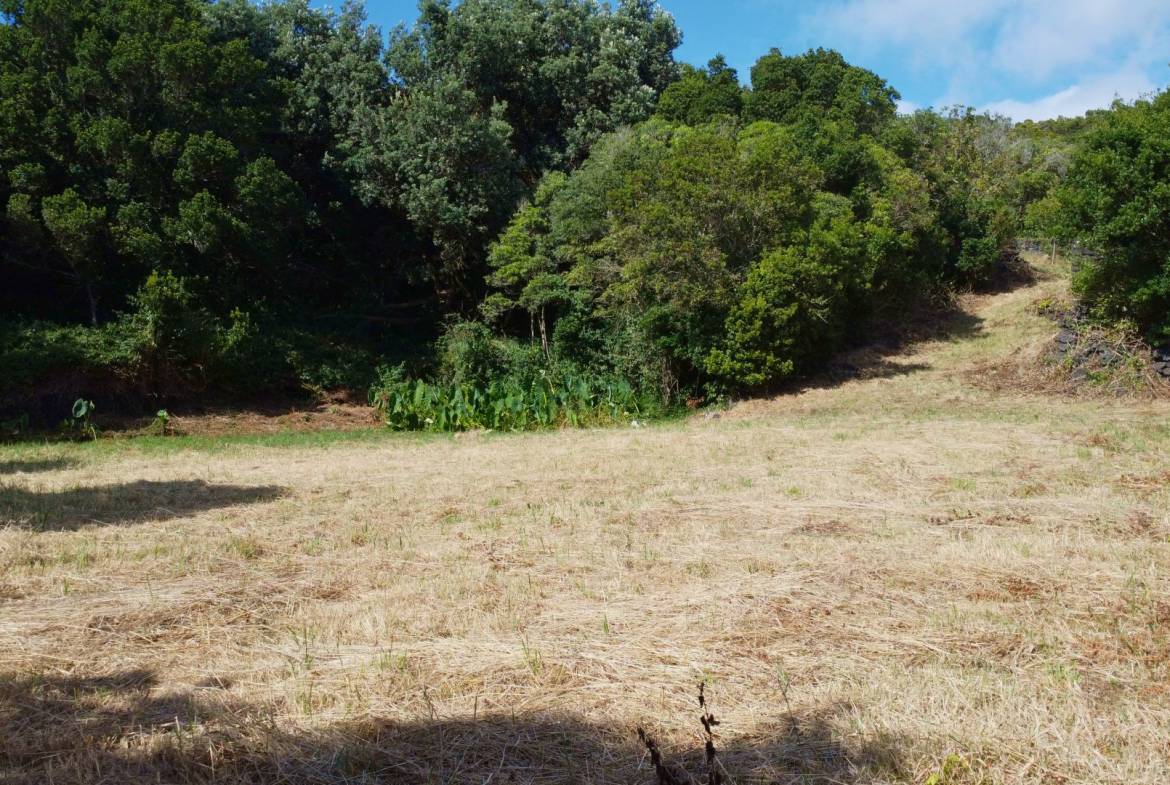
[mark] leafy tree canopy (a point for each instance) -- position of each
(702, 94)
(819, 83)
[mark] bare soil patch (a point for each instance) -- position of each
(275, 417)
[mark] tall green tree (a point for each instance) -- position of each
(489, 95)
(203, 139)
(819, 84)
(972, 165)
(128, 121)
(525, 271)
(702, 94)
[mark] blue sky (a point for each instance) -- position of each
(1023, 58)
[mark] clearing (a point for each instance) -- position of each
(905, 576)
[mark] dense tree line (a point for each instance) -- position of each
(220, 196)
(745, 234)
(233, 196)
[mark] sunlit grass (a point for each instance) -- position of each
(881, 582)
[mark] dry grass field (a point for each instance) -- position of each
(923, 576)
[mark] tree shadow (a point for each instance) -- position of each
(879, 355)
(135, 502)
(68, 728)
(118, 728)
(1011, 272)
(37, 465)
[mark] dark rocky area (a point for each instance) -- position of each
(1084, 349)
(1161, 364)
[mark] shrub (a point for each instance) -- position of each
(1117, 200)
(791, 307)
(36, 354)
(175, 335)
(82, 419)
(250, 355)
(468, 354)
(977, 257)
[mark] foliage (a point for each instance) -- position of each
(142, 357)
(972, 165)
(725, 256)
(489, 94)
(795, 301)
(41, 354)
(129, 122)
(1116, 200)
(469, 354)
(817, 85)
(225, 197)
(169, 165)
(174, 334)
(702, 94)
(563, 72)
(546, 401)
(82, 418)
(449, 165)
(253, 193)
(525, 273)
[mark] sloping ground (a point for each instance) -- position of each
(899, 577)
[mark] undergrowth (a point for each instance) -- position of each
(549, 400)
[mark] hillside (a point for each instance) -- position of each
(920, 572)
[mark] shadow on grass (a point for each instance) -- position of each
(119, 729)
(38, 465)
(134, 502)
(878, 356)
(1012, 272)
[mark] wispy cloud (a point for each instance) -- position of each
(907, 107)
(1024, 58)
(1093, 93)
(1040, 39)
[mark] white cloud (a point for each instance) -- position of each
(989, 49)
(1042, 39)
(931, 32)
(1094, 93)
(907, 107)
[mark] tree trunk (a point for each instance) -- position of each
(93, 309)
(543, 335)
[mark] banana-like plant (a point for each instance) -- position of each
(549, 401)
(83, 418)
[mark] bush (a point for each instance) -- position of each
(1117, 201)
(790, 309)
(977, 258)
(36, 353)
(169, 348)
(176, 337)
(469, 354)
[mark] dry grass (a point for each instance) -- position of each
(882, 581)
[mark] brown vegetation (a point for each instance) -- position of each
(892, 579)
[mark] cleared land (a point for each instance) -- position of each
(901, 576)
